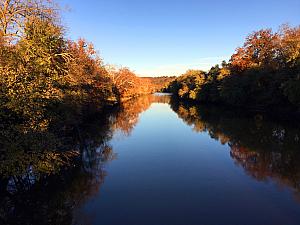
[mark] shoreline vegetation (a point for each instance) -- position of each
(262, 75)
(41, 70)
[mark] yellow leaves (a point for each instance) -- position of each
(183, 91)
(291, 43)
(193, 111)
(224, 72)
(192, 94)
(17, 160)
(52, 162)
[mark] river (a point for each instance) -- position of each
(172, 163)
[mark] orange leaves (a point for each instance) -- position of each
(267, 49)
(241, 60)
(85, 64)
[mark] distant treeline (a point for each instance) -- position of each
(262, 74)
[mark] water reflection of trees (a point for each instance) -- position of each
(130, 110)
(264, 148)
(46, 174)
(46, 192)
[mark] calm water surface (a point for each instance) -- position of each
(157, 161)
(180, 164)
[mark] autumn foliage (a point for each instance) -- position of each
(41, 71)
(50, 85)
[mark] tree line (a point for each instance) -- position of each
(42, 73)
(262, 74)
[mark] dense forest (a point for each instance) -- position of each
(262, 74)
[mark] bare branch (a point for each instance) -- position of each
(15, 13)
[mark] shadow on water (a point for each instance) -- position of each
(45, 174)
(33, 192)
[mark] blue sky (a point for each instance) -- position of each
(167, 37)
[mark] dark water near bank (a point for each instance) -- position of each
(161, 162)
